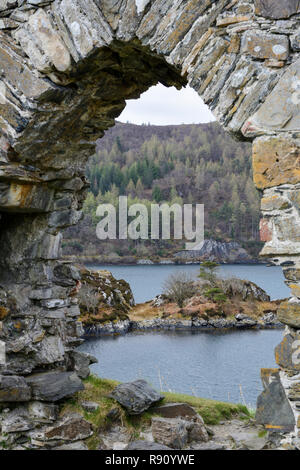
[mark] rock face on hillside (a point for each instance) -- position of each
(220, 252)
(103, 298)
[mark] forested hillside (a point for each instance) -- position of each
(187, 164)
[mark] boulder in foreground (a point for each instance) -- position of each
(170, 432)
(178, 432)
(136, 397)
(72, 427)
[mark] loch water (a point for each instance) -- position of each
(221, 365)
(147, 281)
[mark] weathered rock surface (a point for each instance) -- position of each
(275, 9)
(208, 446)
(136, 397)
(234, 434)
(80, 445)
(43, 412)
(196, 430)
(273, 408)
(275, 161)
(71, 427)
(265, 46)
(247, 290)
(175, 410)
(53, 386)
(103, 298)
(287, 353)
(90, 406)
(115, 438)
(289, 314)
(80, 363)
(170, 432)
(16, 421)
(249, 440)
(145, 445)
(177, 432)
(280, 111)
(14, 389)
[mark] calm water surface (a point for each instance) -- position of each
(221, 366)
(218, 365)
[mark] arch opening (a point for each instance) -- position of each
(67, 69)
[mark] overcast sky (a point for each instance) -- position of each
(161, 106)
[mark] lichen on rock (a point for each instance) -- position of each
(103, 298)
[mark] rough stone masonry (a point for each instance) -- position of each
(66, 69)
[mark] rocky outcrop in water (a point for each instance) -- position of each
(269, 320)
(102, 298)
(248, 306)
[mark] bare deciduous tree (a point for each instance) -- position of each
(178, 287)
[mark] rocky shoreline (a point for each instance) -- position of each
(159, 324)
(98, 260)
(212, 250)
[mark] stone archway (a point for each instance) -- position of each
(66, 69)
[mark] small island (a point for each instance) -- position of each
(107, 305)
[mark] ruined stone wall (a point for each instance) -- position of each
(66, 69)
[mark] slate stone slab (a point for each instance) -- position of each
(280, 111)
(80, 363)
(53, 386)
(146, 445)
(16, 421)
(80, 445)
(273, 409)
(294, 392)
(14, 389)
(262, 45)
(277, 9)
(287, 353)
(172, 432)
(289, 314)
(175, 410)
(208, 446)
(72, 427)
(136, 397)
